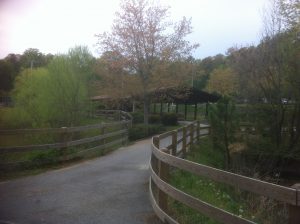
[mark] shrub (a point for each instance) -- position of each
(169, 119)
(224, 123)
(180, 117)
(55, 95)
(154, 119)
(45, 158)
(142, 131)
(137, 117)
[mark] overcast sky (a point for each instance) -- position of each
(54, 26)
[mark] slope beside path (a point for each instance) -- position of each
(112, 189)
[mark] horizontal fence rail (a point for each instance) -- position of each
(104, 135)
(172, 154)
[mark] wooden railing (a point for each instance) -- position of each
(167, 149)
(104, 135)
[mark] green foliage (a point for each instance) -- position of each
(41, 159)
(154, 119)
(243, 204)
(262, 149)
(142, 131)
(56, 95)
(137, 117)
(209, 191)
(30, 97)
(169, 119)
(223, 121)
(68, 93)
(6, 76)
(33, 58)
(206, 154)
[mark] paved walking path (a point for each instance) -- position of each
(112, 189)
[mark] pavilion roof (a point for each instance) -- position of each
(182, 94)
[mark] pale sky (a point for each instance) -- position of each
(54, 26)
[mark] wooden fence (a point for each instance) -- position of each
(170, 155)
(69, 142)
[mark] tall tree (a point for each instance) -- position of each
(9, 69)
(146, 38)
(273, 68)
(56, 95)
(33, 58)
(6, 76)
(223, 81)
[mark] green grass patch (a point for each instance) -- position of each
(244, 204)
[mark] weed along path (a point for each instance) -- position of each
(112, 189)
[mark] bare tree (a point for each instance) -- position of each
(145, 37)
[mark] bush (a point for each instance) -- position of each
(45, 158)
(55, 95)
(154, 119)
(137, 117)
(142, 131)
(180, 117)
(169, 119)
(224, 123)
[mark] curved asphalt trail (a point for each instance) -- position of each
(112, 189)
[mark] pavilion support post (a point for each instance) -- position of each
(176, 108)
(184, 135)
(192, 134)
(185, 111)
(206, 109)
(174, 143)
(195, 111)
(161, 108)
(168, 107)
(198, 131)
(133, 106)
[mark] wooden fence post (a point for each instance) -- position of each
(162, 170)
(154, 159)
(163, 173)
(174, 143)
(64, 141)
(184, 142)
(102, 133)
(191, 133)
(126, 134)
(156, 141)
(294, 210)
(195, 111)
(198, 131)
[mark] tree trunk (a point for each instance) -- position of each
(227, 152)
(226, 140)
(146, 108)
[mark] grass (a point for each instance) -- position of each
(244, 204)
